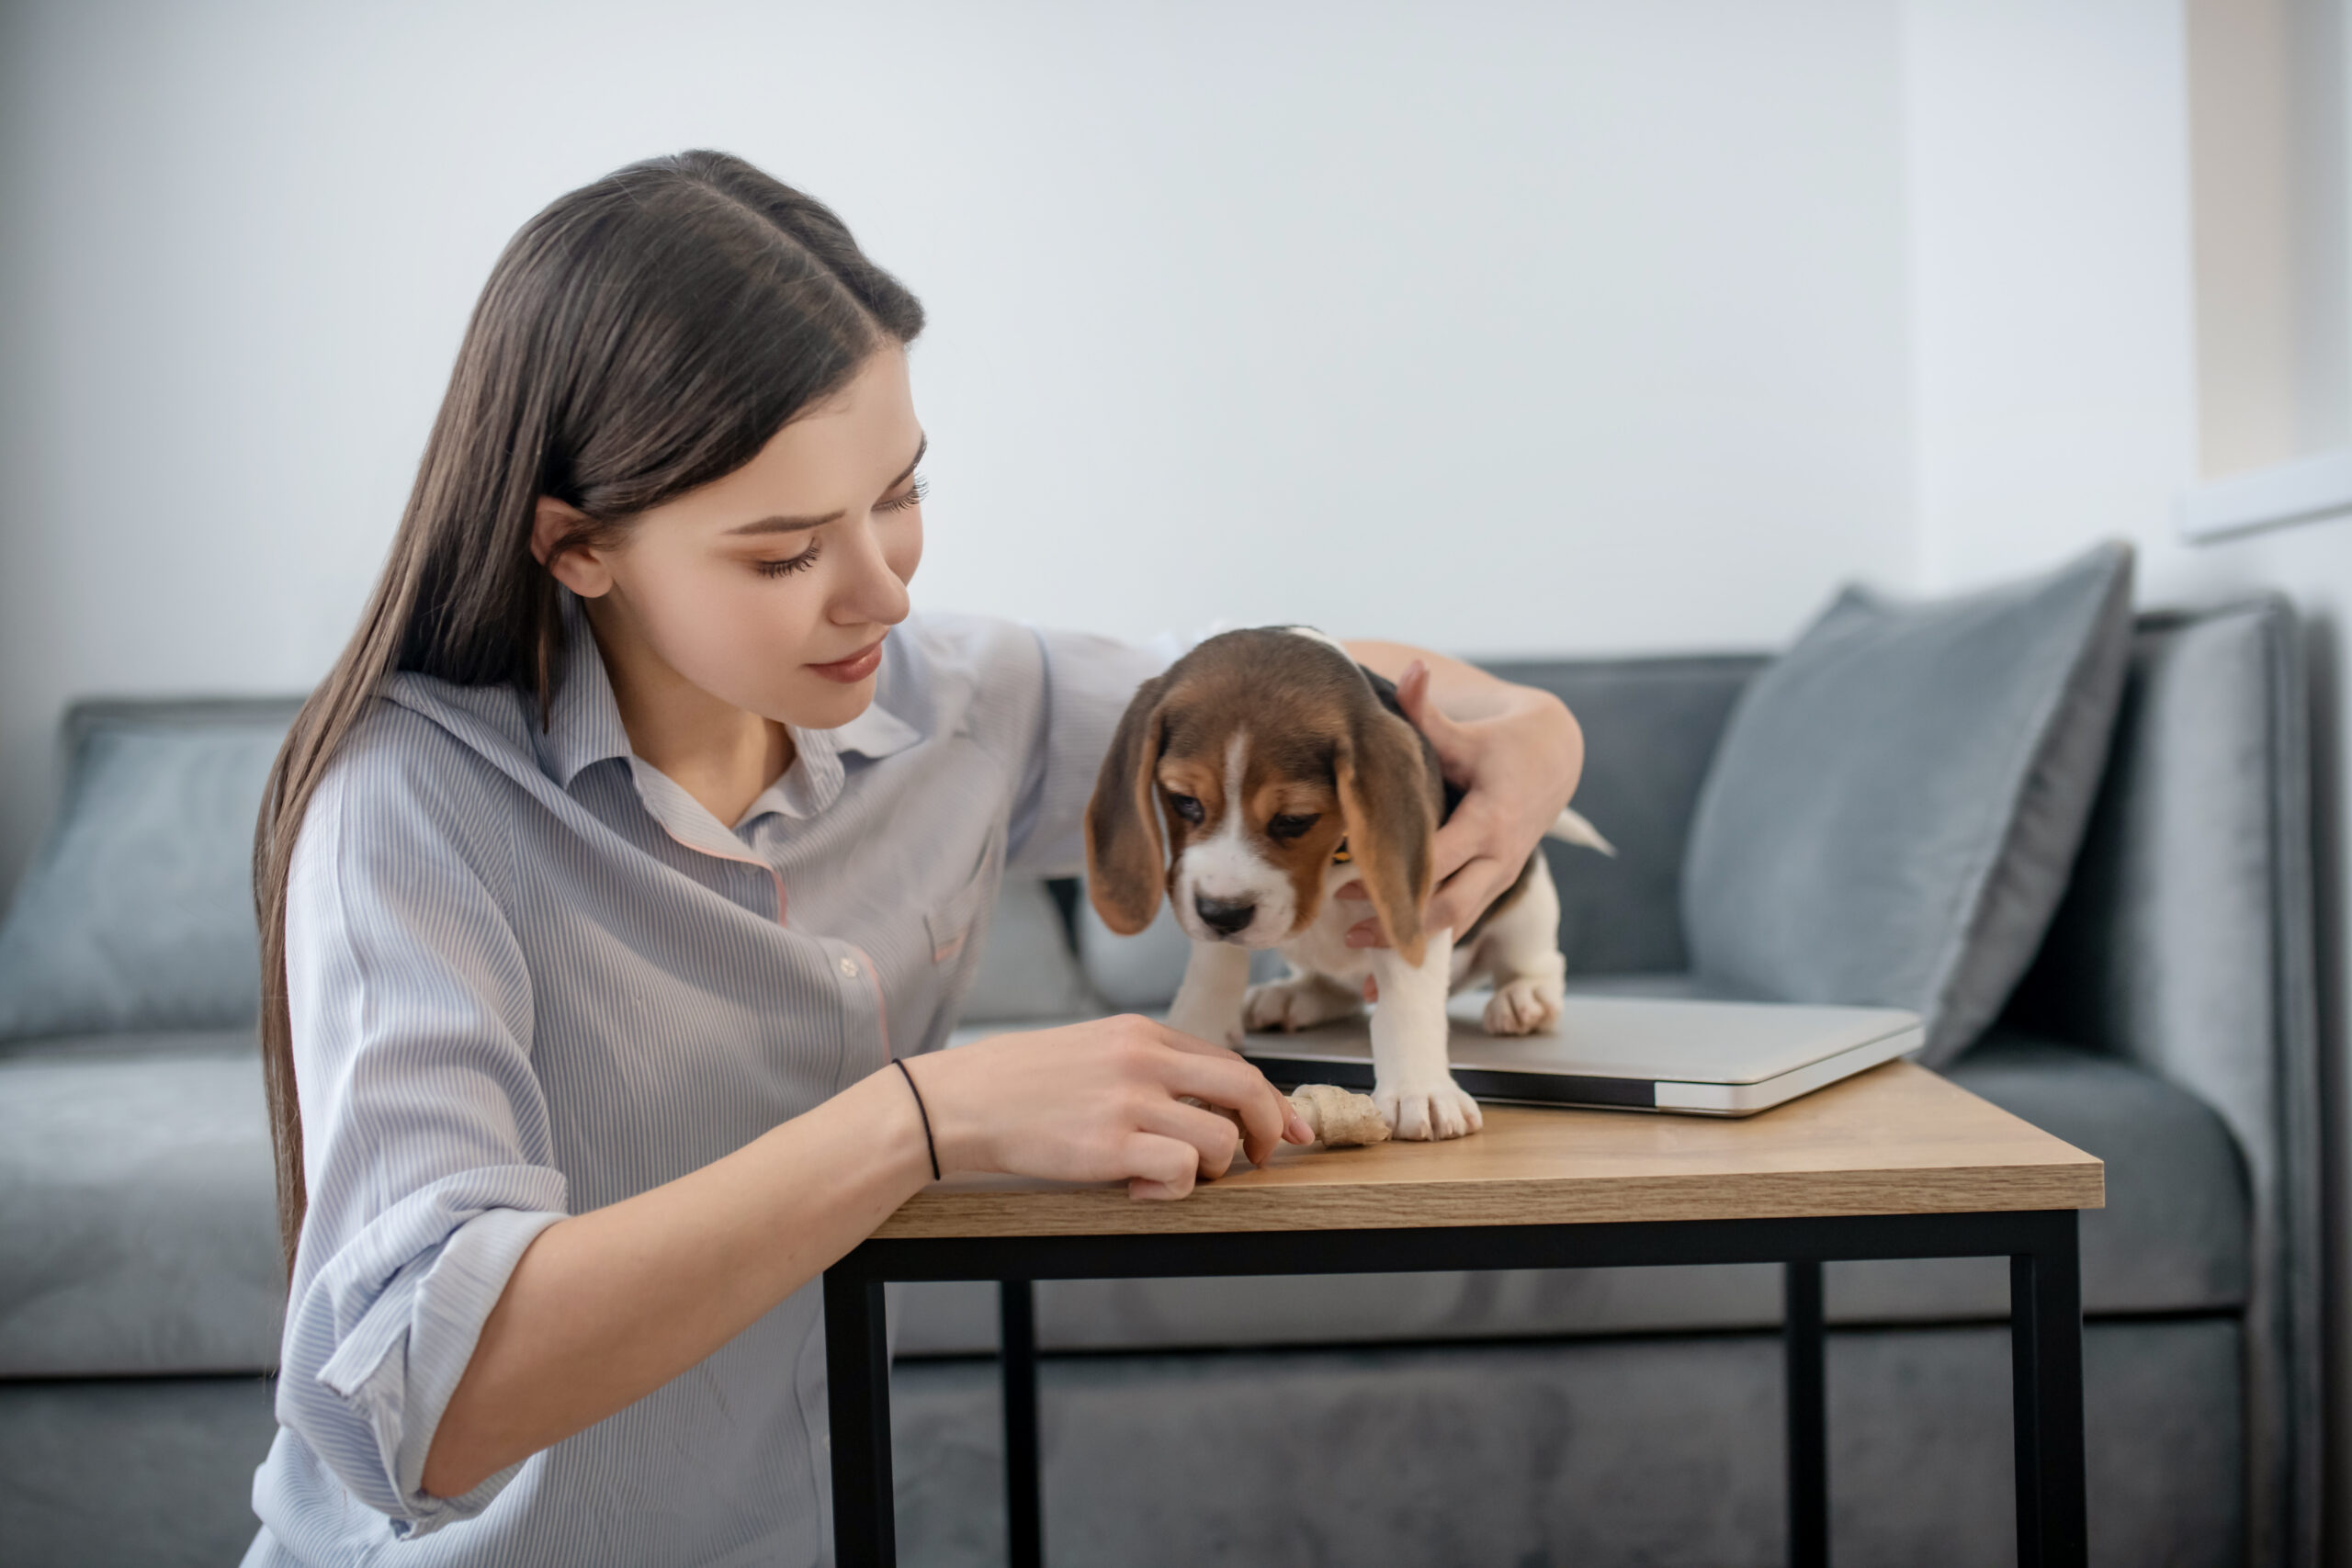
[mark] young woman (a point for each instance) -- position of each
(615, 888)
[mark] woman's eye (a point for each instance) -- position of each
(1291, 825)
(800, 562)
(913, 496)
(1188, 808)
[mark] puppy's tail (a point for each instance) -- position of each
(1571, 829)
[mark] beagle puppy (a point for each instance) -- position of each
(1265, 769)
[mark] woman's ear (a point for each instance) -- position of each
(581, 568)
(1126, 860)
(1384, 783)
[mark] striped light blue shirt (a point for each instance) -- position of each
(530, 976)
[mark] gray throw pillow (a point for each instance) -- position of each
(1895, 805)
(138, 912)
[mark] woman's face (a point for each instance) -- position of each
(772, 588)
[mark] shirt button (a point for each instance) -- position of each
(849, 969)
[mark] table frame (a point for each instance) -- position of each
(2045, 1336)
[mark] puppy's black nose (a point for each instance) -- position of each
(1224, 916)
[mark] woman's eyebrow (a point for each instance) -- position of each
(784, 524)
(797, 524)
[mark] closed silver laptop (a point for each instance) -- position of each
(1626, 1053)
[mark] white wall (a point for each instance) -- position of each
(2057, 375)
(1498, 328)
(2051, 291)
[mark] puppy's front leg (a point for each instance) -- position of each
(1208, 1004)
(1411, 1082)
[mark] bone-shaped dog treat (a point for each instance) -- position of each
(1341, 1120)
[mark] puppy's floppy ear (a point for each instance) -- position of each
(1384, 783)
(1127, 859)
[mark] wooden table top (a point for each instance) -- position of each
(1895, 1140)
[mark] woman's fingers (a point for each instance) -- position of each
(1467, 875)
(1517, 765)
(1159, 1166)
(1461, 901)
(1102, 1102)
(1466, 836)
(1177, 1039)
(1413, 696)
(1289, 1123)
(1214, 1137)
(1451, 908)
(1221, 1078)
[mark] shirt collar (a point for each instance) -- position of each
(584, 727)
(584, 722)
(876, 732)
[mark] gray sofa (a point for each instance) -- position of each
(2168, 1026)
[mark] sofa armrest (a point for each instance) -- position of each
(2186, 944)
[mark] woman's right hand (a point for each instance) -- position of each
(1101, 1101)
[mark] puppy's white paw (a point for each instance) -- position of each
(1426, 1113)
(1524, 1006)
(1300, 1002)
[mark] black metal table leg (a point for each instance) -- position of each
(857, 1376)
(2046, 1335)
(1017, 1345)
(2046, 1366)
(1808, 1416)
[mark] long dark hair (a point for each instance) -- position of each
(641, 337)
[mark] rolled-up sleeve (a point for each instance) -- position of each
(427, 1153)
(1089, 680)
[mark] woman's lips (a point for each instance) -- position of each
(856, 667)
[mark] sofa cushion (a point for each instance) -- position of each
(1026, 969)
(137, 1207)
(2174, 1237)
(1896, 801)
(1684, 987)
(132, 1472)
(138, 911)
(1650, 730)
(1138, 971)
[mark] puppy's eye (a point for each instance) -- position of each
(1188, 808)
(1286, 827)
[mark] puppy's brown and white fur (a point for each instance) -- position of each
(1262, 772)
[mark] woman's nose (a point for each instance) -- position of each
(871, 589)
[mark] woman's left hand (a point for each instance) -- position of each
(1519, 767)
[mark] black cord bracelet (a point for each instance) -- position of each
(899, 1063)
